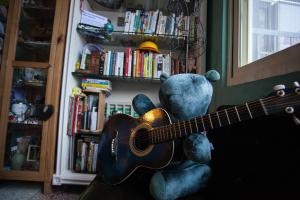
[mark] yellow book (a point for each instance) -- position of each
(150, 72)
(137, 67)
(145, 72)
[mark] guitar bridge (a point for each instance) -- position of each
(114, 145)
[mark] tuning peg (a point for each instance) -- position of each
(279, 90)
(279, 87)
(296, 120)
(296, 84)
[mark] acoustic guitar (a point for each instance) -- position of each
(129, 143)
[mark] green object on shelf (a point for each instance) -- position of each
(109, 27)
(17, 160)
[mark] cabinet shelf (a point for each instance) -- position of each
(21, 125)
(36, 44)
(33, 85)
(38, 7)
(121, 38)
(115, 78)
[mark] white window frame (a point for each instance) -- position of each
(280, 63)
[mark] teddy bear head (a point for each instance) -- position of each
(186, 96)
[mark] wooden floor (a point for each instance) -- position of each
(10, 190)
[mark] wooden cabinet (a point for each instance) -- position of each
(31, 77)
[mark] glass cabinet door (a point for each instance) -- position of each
(35, 30)
(24, 129)
(30, 63)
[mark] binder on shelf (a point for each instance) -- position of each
(93, 19)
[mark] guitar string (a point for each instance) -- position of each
(182, 124)
(164, 137)
(145, 136)
(230, 112)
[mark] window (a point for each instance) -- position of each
(265, 39)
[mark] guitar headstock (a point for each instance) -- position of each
(285, 100)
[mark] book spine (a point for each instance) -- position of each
(95, 157)
(127, 54)
(71, 103)
(127, 21)
(94, 119)
(130, 63)
(101, 61)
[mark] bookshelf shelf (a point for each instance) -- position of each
(131, 39)
(89, 132)
(114, 78)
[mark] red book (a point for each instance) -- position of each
(74, 120)
(127, 54)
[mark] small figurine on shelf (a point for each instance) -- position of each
(109, 27)
(18, 157)
(148, 46)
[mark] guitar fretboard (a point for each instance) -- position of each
(208, 122)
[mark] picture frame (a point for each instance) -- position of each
(33, 153)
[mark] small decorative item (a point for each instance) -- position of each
(109, 28)
(23, 144)
(21, 110)
(17, 160)
(148, 46)
(33, 153)
(34, 76)
(18, 155)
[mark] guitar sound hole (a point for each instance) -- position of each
(141, 139)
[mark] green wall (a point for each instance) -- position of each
(217, 11)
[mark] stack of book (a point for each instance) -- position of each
(86, 149)
(155, 22)
(82, 114)
(136, 64)
(92, 59)
(96, 85)
(92, 19)
(133, 63)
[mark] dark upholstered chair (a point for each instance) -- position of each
(254, 159)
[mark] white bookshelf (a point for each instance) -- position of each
(123, 91)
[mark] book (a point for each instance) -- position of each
(94, 119)
(92, 19)
(85, 153)
(159, 64)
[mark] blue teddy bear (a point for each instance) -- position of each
(183, 96)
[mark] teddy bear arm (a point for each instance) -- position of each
(197, 148)
(142, 104)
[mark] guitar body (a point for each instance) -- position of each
(121, 155)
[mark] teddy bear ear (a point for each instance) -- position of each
(164, 77)
(212, 75)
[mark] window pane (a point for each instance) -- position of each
(273, 25)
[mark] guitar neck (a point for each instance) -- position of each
(208, 122)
